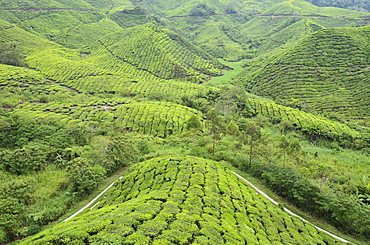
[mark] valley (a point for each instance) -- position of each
(169, 98)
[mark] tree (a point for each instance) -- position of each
(27, 159)
(112, 152)
(250, 134)
(11, 54)
(193, 123)
(232, 128)
(84, 176)
(284, 146)
(216, 126)
(15, 195)
(232, 100)
(288, 147)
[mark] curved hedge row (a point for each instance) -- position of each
(314, 125)
(113, 63)
(133, 86)
(327, 72)
(161, 53)
(182, 200)
(155, 118)
(23, 79)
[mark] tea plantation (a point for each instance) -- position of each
(173, 96)
(182, 200)
(325, 72)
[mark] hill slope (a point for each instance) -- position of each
(182, 200)
(152, 65)
(327, 72)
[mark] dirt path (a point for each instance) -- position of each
(92, 201)
(288, 211)
(246, 181)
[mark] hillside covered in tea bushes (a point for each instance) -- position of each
(326, 72)
(149, 92)
(182, 199)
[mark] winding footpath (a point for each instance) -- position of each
(246, 181)
(288, 211)
(92, 201)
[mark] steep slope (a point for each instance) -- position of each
(82, 36)
(117, 64)
(286, 23)
(327, 72)
(182, 200)
(50, 25)
(234, 30)
(162, 53)
(45, 4)
(226, 29)
(155, 118)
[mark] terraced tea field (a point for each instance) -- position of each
(327, 72)
(313, 125)
(126, 86)
(151, 49)
(155, 118)
(182, 200)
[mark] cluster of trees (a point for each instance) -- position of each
(85, 154)
(47, 166)
(11, 54)
(278, 159)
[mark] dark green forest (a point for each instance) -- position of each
(167, 100)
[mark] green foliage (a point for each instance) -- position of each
(151, 49)
(11, 54)
(24, 160)
(345, 211)
(316, 127)
(50, 25)
(14, 197)
(122, 152)
(156, 118)
(232, 128)
(201, 10)
(179, 199)
(84, 176)
(193, 123)
(83, 35)
(320, 71)
(47, 4)
(251, 133)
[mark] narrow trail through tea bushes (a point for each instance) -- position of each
(288, 211)
(246, 181)
(92, 201)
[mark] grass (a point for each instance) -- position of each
(353, 164)
(226, 79)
